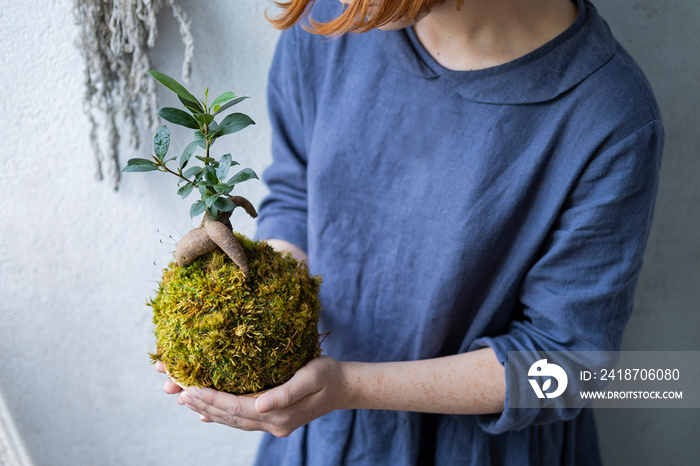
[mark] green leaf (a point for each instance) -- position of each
(139, 165)
(233, 123)
(205, 159)
(192, 171)
(140, 162)
(139, 168)
(223, 188)
(210, 175)
(187, 153)
(203, 118)
(197, 208)
(193, 107)
(210, 200)
(229, 105)
(225, 97)
(213, 211)
(178, 117)
(224, 166)
(224, 204)
(243, 175)
(174, 86)
(201, 140)
(203, 191)
(161, 142)
(185, 190)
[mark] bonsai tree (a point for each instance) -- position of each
(230, 313)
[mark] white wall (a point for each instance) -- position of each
(77, 259)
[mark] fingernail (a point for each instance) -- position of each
(264, 404)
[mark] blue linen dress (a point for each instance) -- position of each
(451, 210)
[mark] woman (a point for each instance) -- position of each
(471, 178)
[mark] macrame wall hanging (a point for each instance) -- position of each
(114, 38)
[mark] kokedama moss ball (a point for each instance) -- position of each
(215, 329)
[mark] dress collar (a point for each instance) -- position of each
(541, 75)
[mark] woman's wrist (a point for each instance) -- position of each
(351, 385)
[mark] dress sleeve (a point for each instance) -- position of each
(283, 213)
(578, 294)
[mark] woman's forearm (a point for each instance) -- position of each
(467, 383)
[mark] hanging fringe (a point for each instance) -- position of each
(114, 38)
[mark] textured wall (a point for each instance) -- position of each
(662, 36)
(78, 261)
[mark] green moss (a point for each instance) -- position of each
(214, 329)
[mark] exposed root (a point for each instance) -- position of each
(195, 243)
(245, 203)
(214, 232)
(224, 238)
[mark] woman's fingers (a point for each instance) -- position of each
(224, 408)
(301, 385)
(214, 405)
(311, 393)
(171, 387)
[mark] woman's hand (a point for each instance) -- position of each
(316, 389)
(285, 246)
(465, 383)
(170, 386)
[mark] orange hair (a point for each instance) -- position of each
(354, 18)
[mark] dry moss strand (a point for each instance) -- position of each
(114, 39)
(215, 328)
